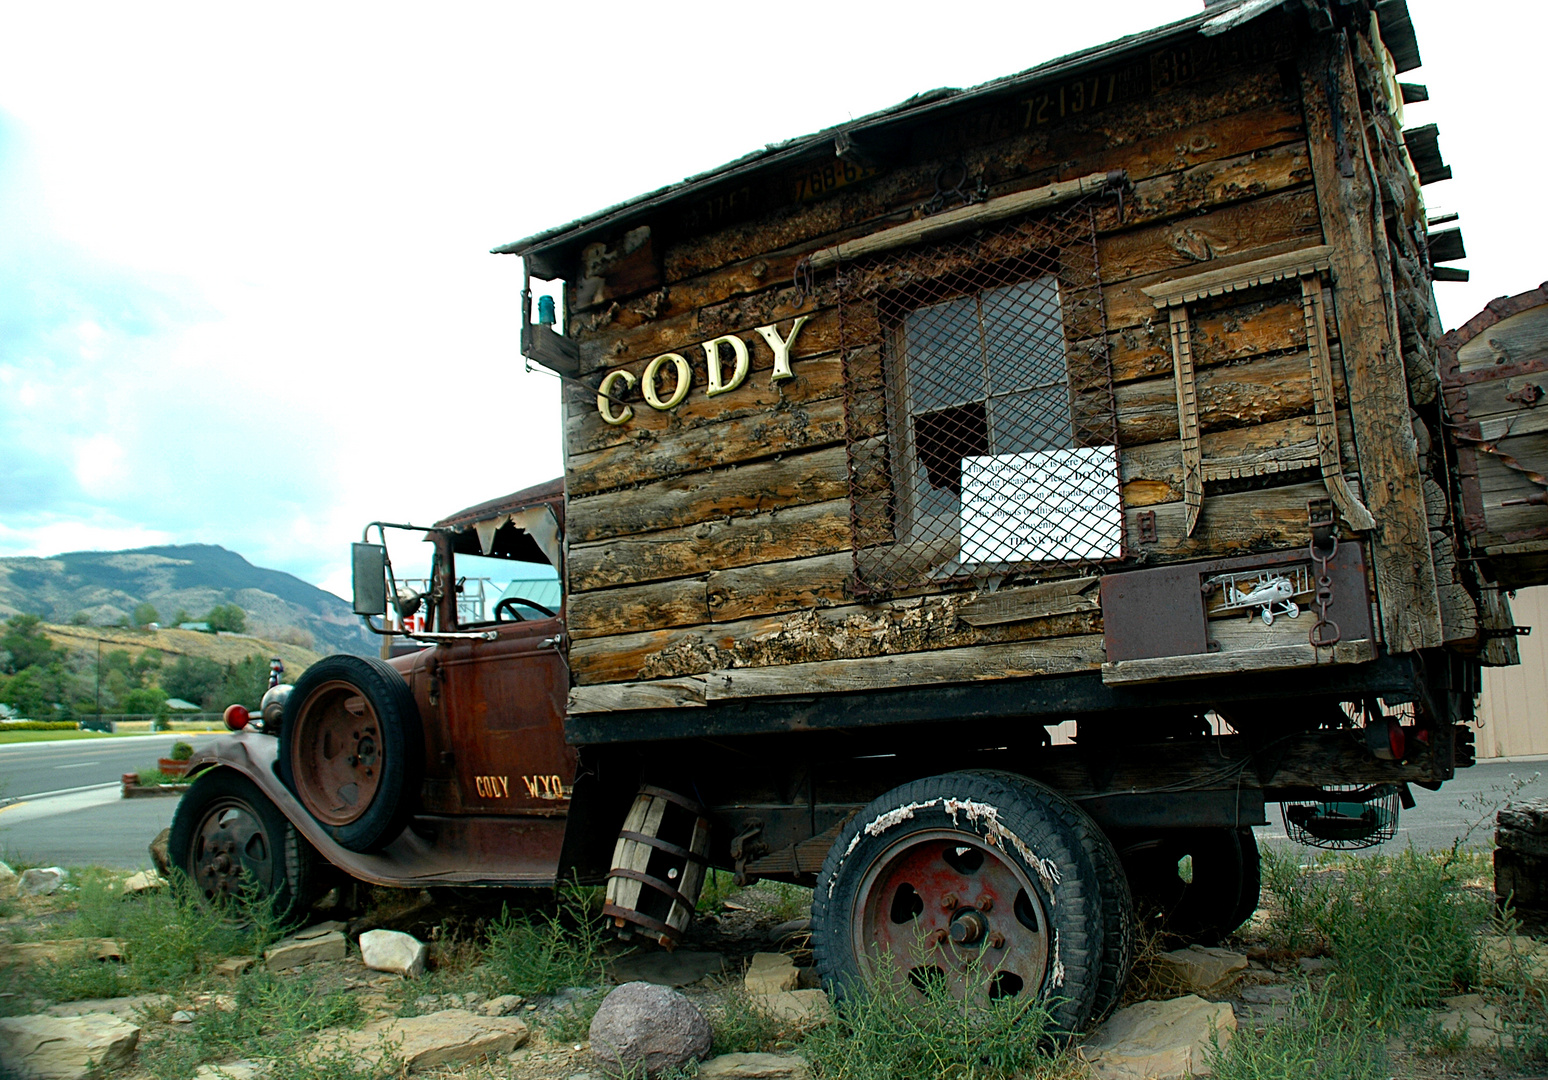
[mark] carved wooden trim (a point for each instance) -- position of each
(1292, 264)
(1187, 417)
(1349, 505)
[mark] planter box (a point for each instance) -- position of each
(171, 767)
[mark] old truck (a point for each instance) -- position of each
(976, 511)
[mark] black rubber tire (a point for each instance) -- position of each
(1046, 824)
(1252, 878)
(392, 805)
(290, 875)
(1120, 922)
(1222, 894)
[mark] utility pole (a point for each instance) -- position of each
(99, 678)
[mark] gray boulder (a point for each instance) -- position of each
(41, 881)
(390, 950)
(644, 1028)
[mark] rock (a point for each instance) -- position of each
(801, 1008)
(1200, 970)
(28, 953)
(644, 1028)
(144, 881)
(770, 973)
(667, 968)
(448, 1037)
(1480, 1021)
(182, 1016)
(1268, 995)
(1312, 965)
(125, 1008)
(292, 952)
(755, 1067)
(65, 1047)
(235, 1070)
(317, 930)
(41, 881)
(1158, 1039)
(389, 950)
(158, 852)
(7, 881)
(503, 1005)
(235, 966)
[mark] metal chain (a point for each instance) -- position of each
(1321, 636)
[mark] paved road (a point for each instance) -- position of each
(31, 768)
(93, 826)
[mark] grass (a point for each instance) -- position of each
(1319, 1039)
(153, 776)
(169, 939)
(7, 737)
(883, 1030)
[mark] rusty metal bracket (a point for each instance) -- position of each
(1147, 526)
(1529, 395)
(744, 850)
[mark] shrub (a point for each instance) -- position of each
(38, 725)
(181, 751)
(537, 954)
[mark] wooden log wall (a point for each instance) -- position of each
(710, 544)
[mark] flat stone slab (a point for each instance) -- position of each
(755, 1067)
(1200, 970)
(64, 1047)
(803, 1008)
(235, 1070)
(661, 968)
(28, 953)
(771, 973)
(1481, 1021)
(294, 951)
(125, 1008)
(235, 966)
(448, 1037)
(1159, 1040)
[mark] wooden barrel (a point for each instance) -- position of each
(658, 866)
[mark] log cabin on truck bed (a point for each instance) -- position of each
(1107, 392)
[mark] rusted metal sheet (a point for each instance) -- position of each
(434, 850)
(1165, 611)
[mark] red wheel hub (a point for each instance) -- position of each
(337, 754)
(948, 906)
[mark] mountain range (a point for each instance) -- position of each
(107, 586)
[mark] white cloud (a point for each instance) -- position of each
(45, 538)
(100, 467)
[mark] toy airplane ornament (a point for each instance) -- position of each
(1270, 595)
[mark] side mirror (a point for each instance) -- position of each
(370, 578)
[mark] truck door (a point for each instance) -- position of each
(505, 702)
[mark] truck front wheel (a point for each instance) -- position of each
(233, 844)
(985, 882)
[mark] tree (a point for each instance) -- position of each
(244, 683)
(145, 613)
(26, 645)
(26, 693)
(145, 701)
(183, 615)
(192, 678)
(227, 617)
(80, 618)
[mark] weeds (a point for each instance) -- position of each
(886, 1029)
(1319, 1039)
(270, 1018)
(742, 1029)
(539, 954)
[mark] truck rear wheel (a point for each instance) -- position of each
(1201, 884)
(981, 880)
(233, 844)
(350, 748)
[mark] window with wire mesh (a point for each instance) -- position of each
(981, 423)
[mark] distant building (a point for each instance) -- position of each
(202, 627)
(177, 704)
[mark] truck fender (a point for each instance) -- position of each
(253, 755)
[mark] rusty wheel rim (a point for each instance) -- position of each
(941, 906)
(337, 754)
(233, 854)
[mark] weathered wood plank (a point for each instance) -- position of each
(781, 430)
(1378, 386)
(920, 624)
(797, 532)
(1182, 127)
(1236, 332)
(683, 602)
(1059, 656)
(1236, 524)
(797, 480)
(1033, 602)
(771, 587)
(658, 694)
(1274, 658)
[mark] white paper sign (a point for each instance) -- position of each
(1051, 506)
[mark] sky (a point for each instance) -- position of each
(245, 289)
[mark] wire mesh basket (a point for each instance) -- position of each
(1346, 818)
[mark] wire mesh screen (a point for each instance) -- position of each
(981, 424)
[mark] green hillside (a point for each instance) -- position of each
(100, 589)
